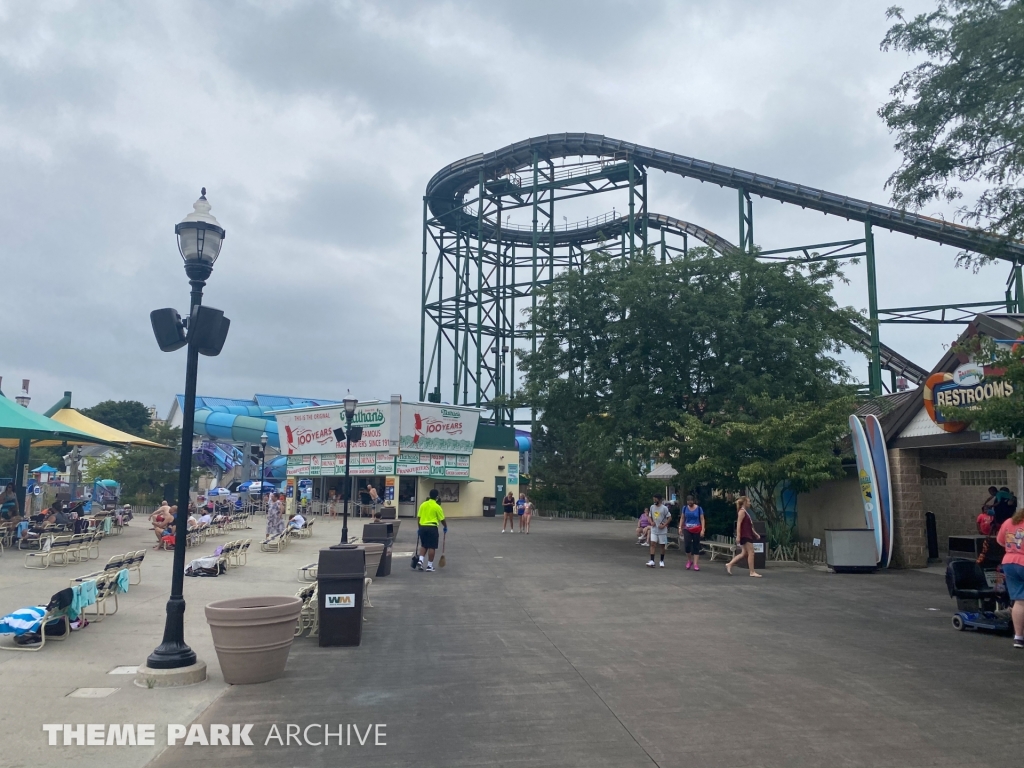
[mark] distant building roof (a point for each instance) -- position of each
(662, 472)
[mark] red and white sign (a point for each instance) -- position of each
(431, 427)
(311, 431)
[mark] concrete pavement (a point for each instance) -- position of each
(35, 687)
(561, 649)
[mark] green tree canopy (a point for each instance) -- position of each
(626, 350)
(144, 472)
(129, 416)
(768, 442)
(959, 116)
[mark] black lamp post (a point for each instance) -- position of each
(200, 238)
(349, 434)
(263, 461)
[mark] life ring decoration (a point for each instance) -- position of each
(929, 403)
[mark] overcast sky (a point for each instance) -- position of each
(315, 127)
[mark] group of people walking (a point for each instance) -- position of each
(512, 508)
(653, 526)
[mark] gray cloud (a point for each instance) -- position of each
(316, 126)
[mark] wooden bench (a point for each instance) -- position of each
(719, 545)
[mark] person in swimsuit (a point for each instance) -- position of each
(527, 513)
(745, 535)
(508, 508)
(521, 504)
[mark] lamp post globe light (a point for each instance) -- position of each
(200, 237)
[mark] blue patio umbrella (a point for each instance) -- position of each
(255, 486)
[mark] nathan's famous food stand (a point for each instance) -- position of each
(406, 450)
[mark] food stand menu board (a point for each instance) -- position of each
(380, 463)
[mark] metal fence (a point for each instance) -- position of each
(572, 515)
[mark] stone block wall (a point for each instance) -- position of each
(910, 541)
(956, 506)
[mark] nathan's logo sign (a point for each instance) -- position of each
(966, 387)
(368, 418)
(449, 425)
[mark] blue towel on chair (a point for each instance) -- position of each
(122, 580)
(22, 620)
(88, 592)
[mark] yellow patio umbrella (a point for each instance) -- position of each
(72, 418)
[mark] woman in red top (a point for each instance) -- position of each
(1011, 538)
(745, 535)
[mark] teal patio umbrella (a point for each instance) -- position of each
(18, 423)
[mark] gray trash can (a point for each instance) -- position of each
(340, 575)
(381, 533)
(760, 545)
(490, 506)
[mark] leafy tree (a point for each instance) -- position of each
(143, 472)
(626, 349)
(959, 116)
(757, 448)
(129, 416)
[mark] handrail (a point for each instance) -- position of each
(445, 189)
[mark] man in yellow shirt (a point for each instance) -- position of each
(430, 516)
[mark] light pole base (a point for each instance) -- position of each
(146, 677)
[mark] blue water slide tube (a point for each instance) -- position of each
(277, 469)
(238, 424)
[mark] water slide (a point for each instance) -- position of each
(222, 457)
(237, 424)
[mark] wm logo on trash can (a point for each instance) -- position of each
(339, 601)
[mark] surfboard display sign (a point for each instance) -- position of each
(868, 481)
(880, 462)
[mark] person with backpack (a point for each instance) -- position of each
(691, 531)
(660, 518)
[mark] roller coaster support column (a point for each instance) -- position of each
(632, 211)
(423, 307)
(479, 285)
(746, 222)
(533, 281)
(875, 363)
(1018, 287)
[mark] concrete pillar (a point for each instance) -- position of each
(910, 543)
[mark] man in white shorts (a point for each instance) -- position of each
(660, 518)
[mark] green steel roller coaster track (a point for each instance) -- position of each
(470, 291)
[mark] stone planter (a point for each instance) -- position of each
(252, 636)
(374, 552)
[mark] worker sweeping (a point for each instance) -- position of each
(430, 517)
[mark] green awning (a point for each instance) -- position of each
(19, 423)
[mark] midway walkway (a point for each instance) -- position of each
(561, 649)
